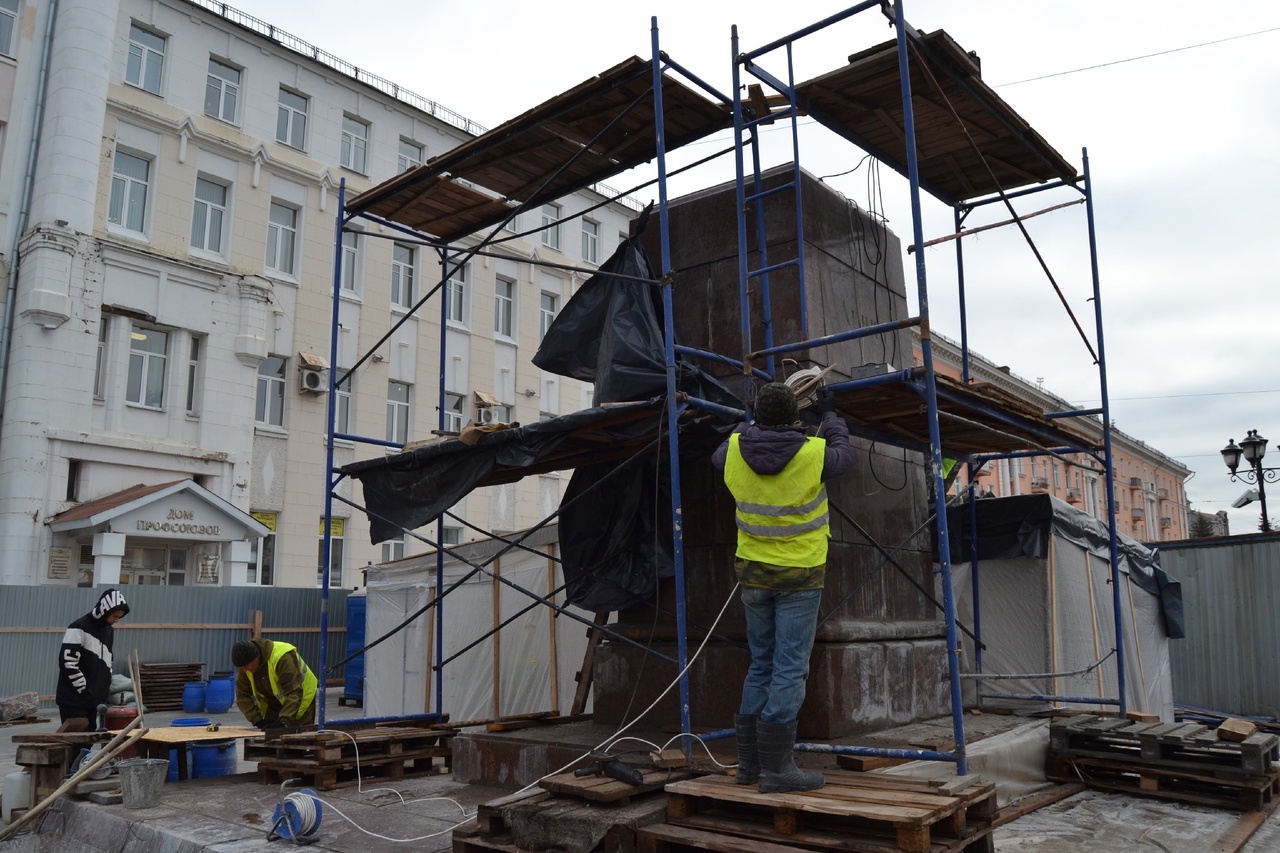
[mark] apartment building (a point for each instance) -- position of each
(171, 174)
(1151, 502)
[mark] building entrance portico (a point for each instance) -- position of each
(176, 534)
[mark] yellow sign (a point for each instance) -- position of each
(266, 519)
(337, 525)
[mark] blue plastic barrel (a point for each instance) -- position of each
(220, 694)
(193, 697)
(199, 722)
(213, 758)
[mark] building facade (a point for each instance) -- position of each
(1151, 502)
(171, 171)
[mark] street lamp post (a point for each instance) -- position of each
(1252, 448)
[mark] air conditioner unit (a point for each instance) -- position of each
(486, 415)
(313, 381)
(1166, 521)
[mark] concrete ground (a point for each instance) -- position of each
(232, 814)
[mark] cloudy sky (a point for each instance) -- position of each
(1175, 102)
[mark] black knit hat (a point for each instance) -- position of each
(244, 652)
(776, 405)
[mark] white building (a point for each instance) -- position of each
(168, 221)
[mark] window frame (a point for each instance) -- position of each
(545, 317)
(148, 361)
(504, 308)
(590, 241)
(342, 402)
(337, 552)
(223, 217)
(457, 290)
(404, 162)
(128, 186)
(274, 231)
(399, 412)
(551, 225)
(195, 372)
(100, 368)
(349, 277)
(262, 554)
(353, 150)
(270, 389)
(11, 17)
(453, 418)
(292, 113)
(143, 53)
(403, 275)
(227, 89)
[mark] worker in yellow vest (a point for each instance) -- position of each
(274, 686)
(776, 473)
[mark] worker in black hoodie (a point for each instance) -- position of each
(84, 662)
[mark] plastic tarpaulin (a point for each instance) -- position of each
(1047, 607)
(531, 667)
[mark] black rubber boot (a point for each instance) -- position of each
(748, 757)
(778, 772)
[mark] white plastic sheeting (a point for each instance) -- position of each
(1056, 615)
(534, 666)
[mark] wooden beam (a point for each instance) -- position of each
(588, 660)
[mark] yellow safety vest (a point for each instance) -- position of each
(782, 518)
(309, 681)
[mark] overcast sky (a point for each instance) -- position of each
(1184, 150)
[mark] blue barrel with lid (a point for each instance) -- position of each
(220, 693)
(212, 758)
(173, 753)
(193, 697)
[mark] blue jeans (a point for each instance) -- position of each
(780, 628)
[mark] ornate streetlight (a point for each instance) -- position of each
(1252, 448)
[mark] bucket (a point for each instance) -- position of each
(140, 781)
(213, 758)
(220, 694)
(193, 696)
(17, 793)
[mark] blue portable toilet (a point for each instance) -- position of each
(353, 683)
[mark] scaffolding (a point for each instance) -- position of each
(971, 151)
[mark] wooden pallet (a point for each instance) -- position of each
(1169, 746)
(871, 812)
(514, 822)
(1253, 793)
(330, 759)
(604, 789)
(163, 683)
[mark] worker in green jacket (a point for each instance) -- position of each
(274, 686)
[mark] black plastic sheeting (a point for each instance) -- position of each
(1022, 525)
(615, 543)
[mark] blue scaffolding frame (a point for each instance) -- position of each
(923, 379)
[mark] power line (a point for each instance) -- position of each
(1136, 58)
(1181, 396)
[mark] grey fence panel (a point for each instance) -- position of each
(1231, 596)
(164, 625)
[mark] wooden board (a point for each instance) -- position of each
(1248, 794)
(191, 734)
(604, 789)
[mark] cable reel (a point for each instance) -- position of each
(297, 816)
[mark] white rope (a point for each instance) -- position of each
(1024, 675)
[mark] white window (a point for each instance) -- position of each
(146, 59)
(130, 180)
(270, 407)
(456, 295)
(410, 156)
(208, 216)
(392, 550)
(261, 570)
(505, 414)
(350, 261)
(547, 311)
(355, 144)
(504, 297)
(99, 369)
(8, 23)
(282, 237)
(193, 376)
(452, 412)
(513, 224)
(402, 275)
(551, 225)
(291, 119)
(221, 91)
(342, 405)
(148, 352)
(336, 539)
(452, 536)
(398, 412)
(590, 241)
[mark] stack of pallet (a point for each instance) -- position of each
(1178, 761)
(337, 758)
(866, 812)
(162, 683)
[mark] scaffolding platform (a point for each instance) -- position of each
(852, 811)
(1165, 747)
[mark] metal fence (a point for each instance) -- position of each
(1231, 595)
(165, 624)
